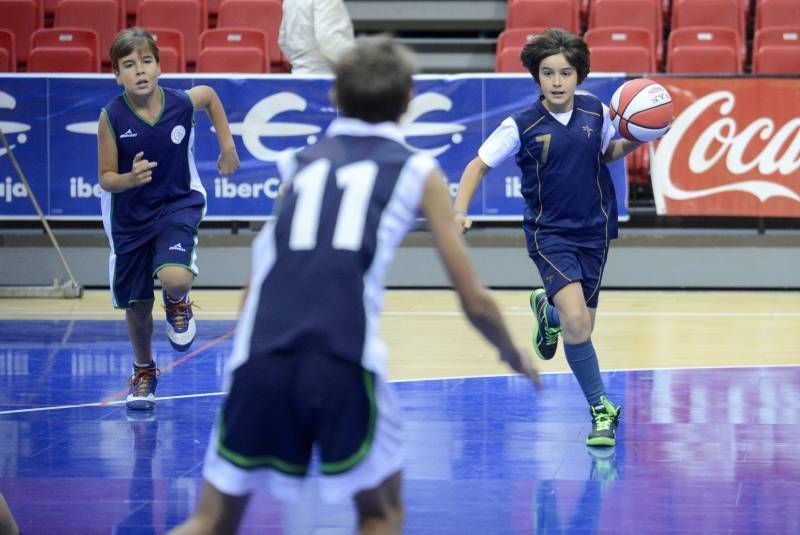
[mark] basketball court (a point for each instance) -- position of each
(709, 381)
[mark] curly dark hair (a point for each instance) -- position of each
(556, 41)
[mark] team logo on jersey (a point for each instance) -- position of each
(177, 135)
(177, 247)
(128, 133)
(588, 129)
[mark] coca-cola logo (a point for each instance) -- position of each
(739, 155)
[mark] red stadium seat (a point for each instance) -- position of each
(702, 36)
(187, 16)
(703, 59)
(68, 38)
(22, 18)
(238, 38)
(777, 35)
(244, 59)
(105, 17)
(637, 13)
(264, 15)
(516, 37)
(508, 60)
(775, 59)
(62, 59)
(8, 51)
(636, 59)
(544, 14)
(621, 36)
(777, 13)
(171, 50)
(718, 13)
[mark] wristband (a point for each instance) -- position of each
(460, 212)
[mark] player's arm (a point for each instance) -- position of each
(619, 148)
(470, 180)
(478, 304)
(110, 178)
(204, 97)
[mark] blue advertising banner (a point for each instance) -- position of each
(51, 124)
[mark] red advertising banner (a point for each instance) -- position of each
(733, 149)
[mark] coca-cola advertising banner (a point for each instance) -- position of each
(733, 149)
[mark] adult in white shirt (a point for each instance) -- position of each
(314, 34)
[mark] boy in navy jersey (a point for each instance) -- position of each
(308, 366)
(153, 199)
(561, 145)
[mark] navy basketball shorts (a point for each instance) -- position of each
(565, 263)
(172, 242)
(282, 411)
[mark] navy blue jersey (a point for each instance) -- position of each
(169, 141)
(318, 269)
(567, 188)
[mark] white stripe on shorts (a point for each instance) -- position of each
(385, 457)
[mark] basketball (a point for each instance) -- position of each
(641, 110)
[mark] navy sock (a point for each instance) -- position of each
(170, 299)
(552, 316)
(582, 360)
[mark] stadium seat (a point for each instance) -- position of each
(62, 59)
(636, 59)
(542, 13)
(703, 60)
(8, 52)
(105, 17)
(717, 13)
(516, 37)
(508, 60)
(777, 35)
(621, 36)
(241, 59)
(22, 18)
(777, 13)
(64, 50)
(264, 15)
(237, 38)
(701, 36)
(170, 47)
(637, 13)
(187, 16)
(776, 59)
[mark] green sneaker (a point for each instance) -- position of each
(605, 418)
(545, 338)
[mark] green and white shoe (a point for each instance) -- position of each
(605, 418)
(545, 338)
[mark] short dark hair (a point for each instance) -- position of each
(129, 40)
(556, 41)
(374, 79)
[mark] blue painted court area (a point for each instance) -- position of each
(700, 450)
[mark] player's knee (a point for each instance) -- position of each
(576, 326)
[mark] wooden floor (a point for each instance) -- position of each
(429, 337)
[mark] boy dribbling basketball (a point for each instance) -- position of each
(561, 145)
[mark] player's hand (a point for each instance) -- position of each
(521, 361)
(463, 222)
(141, 170)
(228, 161)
